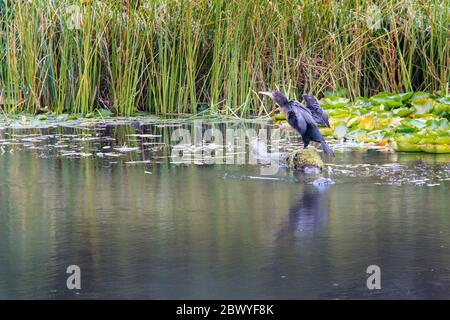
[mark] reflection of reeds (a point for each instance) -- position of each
(179, 56)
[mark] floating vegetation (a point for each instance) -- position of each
(417, 173)
(408, 122)
(129, 146)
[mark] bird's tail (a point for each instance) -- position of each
(327, 149)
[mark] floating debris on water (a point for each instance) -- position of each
(145, 135)
(138, 162)
(417, 173)
(263, 178)
(76, 154)
(321, 182)
(126, 149)
(311, 170)
(111, 142)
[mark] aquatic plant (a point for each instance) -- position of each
(411, 122)
(76, 56)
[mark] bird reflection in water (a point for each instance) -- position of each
(310, 211)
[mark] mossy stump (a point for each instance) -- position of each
(303, 158)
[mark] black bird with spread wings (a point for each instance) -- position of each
(317, 112)
(299, 118)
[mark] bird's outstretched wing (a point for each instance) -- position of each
(297, 121)
(302, 118)
(317, 112)
(303, 112)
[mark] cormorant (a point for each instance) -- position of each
(317, 112)
(300, 118)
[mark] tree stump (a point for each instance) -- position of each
(304, 158)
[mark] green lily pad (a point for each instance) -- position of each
(420, 94)
(422, 105)
(444, 100)
(339, 113)
(353, 121)
(427, 140)
(417, 123)
(405, 146)
(362, 102)
(389, 101)
(332, 102)
(435, 148)
(279, 116)
(326, 131)
(402, 112)
(442, 140)
(441, 109)
(105, 113)
(403, 97)
(435, 124)
(378, 109)
(406, 128)
(411, 139)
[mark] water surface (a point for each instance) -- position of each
(110, 200)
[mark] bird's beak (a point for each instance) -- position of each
(267, 93)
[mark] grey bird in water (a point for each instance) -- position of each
(317, 112)
(299, 118)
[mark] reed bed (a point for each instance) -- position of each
(175, 56)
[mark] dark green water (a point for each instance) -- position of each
(158, 230)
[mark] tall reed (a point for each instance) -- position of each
(183, 56)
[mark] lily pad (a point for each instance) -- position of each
(420, 94)
(442, 140)
(419, 124)
(441, 109)
(438, 124)
(339, 112)
(279, 116)
(403, 112)
(410, 139)
(367, 123)
(444, 100)
(404, 96)
(326, 131)
(362, 102)
(389, 101)
(332, 102)
(353, 121)
(405, 146)
(105, 113)
(435, 148)
(422, 105)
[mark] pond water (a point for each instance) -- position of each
(112, 200)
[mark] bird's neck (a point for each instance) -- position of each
(286, 107)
